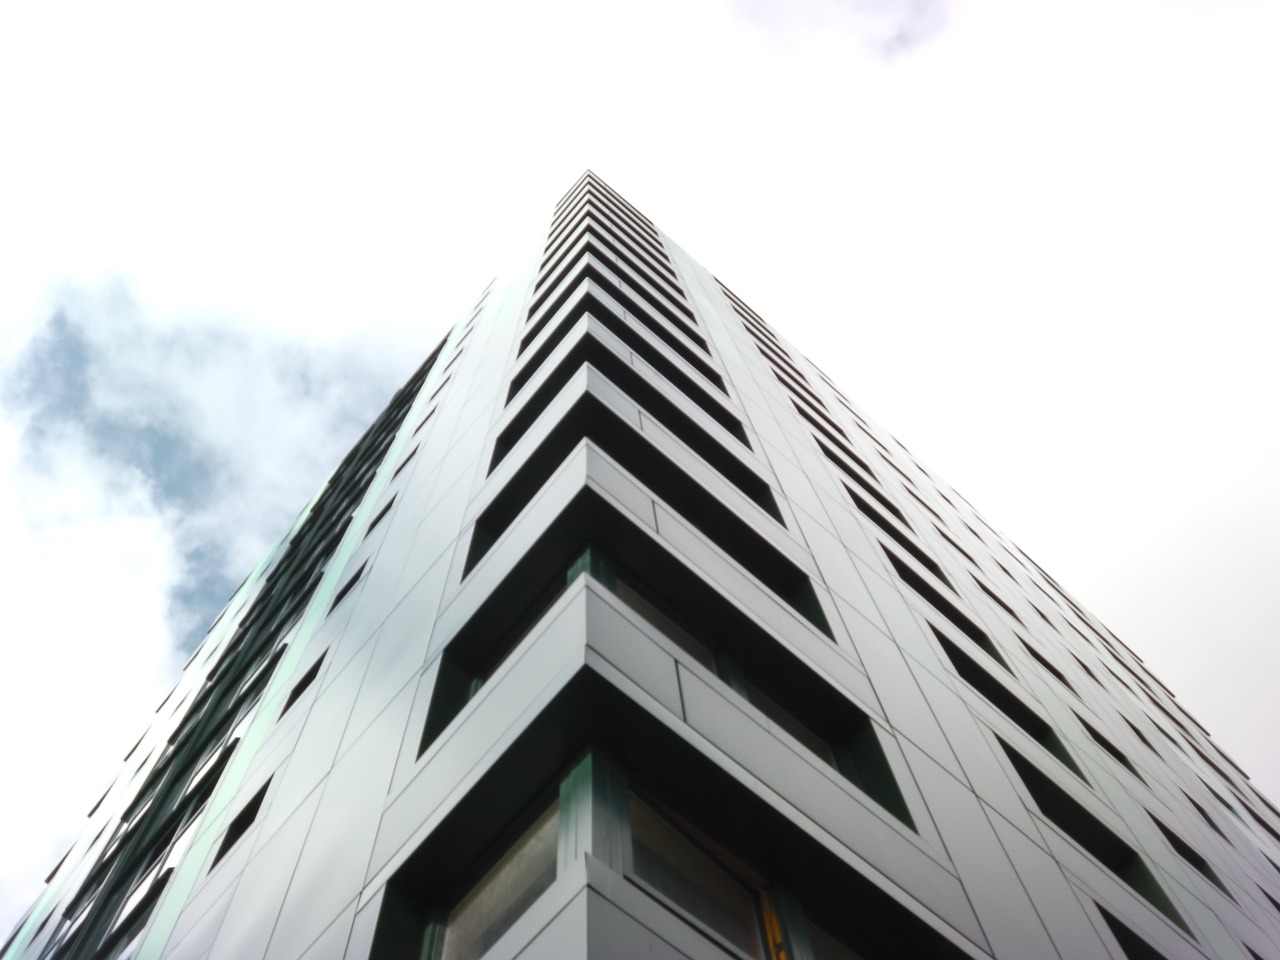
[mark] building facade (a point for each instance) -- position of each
(622, 633)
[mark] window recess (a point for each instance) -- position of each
(898, 537)
(599, 214)
(605, 207)
(947, 609)
(454, 898)
(996, 599)
(995, 692)
(1070, 816)
(1193, 857)
(303, 683)
(591, 219)
(955, 546)
(639, 388)
(588, 299)
(857, 478)
(590, 270)
(1134, 947)
(790, 378)
(1044, 662)
(610, 244)
(718, 521)
(597, 203)
(659, 294)
(787, 692)
(240, 824)
(831, 436)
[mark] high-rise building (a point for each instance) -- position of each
(622, 633)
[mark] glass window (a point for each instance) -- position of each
(670, 629)
(680, 870)
(823, 946)
(788, 721)
(504, 893)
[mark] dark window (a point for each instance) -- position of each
(588, 303)
(992, 594)
(300, 687)
(498, 899)
(1092, 834)
(863, 482)
(241, 823)
(381, 514)
(404, 463)
(1040, 659)
(593, 274)
(947, 609)
(900, 538)
(1110, 747)
(348, 586)
(1134, 947)
(717, 520)
(682, 872)
(653, 400)
(1272, 900)
(1204, 815)
(959, 549)
(1193, 857)
(1036, 727)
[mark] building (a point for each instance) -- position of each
(621, 633)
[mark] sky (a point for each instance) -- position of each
(1037, 242)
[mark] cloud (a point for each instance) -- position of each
(885, 27)
(146, 464)
(224, 430)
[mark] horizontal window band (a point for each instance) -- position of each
(591, 233)
(663, 301)
(591, 206)
(592, 354)
(590, 218)
(589, 297)
(589, 268)
(589, 419)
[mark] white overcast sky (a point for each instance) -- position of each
(1038, 242)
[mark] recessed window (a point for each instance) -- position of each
(1032, 724)
(348, 587)
(300, 687)
(489, 909)
(864, 483)
(681, 871)
(1192, 856)
(404, 463)
(1110, 747)
(1134, 947)
(443, 383)
(672, 415)
(1040, 659)
(900, 538)
(1272, 900)
(1070, 816)
(423, 422)
(823, 946)
(996, 599)
(713, 516)
(955, 546)
(382, 514)
(1204, 815)
(588, 301)
(240, 823)
(947, 609)
(591, 273)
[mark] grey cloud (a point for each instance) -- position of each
(885, 27)
(229, 428)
